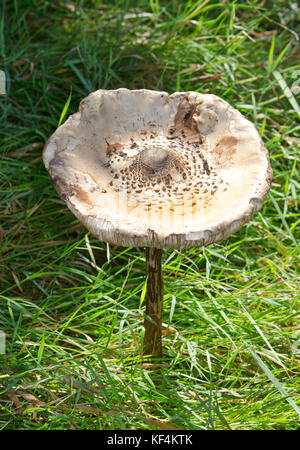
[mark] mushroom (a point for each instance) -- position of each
(149, 169)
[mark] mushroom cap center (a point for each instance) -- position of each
(155, 158)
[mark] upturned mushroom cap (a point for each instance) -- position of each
(146, 168)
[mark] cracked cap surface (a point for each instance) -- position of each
(145, 168)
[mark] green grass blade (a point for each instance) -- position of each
(65, 109)
(287, 92)
(274, 380)
(271, 54)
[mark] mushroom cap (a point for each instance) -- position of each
(141, 167)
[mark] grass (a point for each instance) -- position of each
(71, 307)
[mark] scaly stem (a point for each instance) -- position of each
(154, 304)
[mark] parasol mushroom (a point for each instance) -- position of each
(149, 169)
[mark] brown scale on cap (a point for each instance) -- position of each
(224, 151)
(162, 168)
(167, 165)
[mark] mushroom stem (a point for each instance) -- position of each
(154, 304)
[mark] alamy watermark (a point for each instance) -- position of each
(2, 83)
(183, 210)
(2, 342)
(296, 345)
